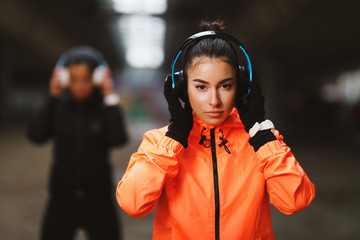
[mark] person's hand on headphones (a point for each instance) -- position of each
(181, 121)
(55, 87)
(106, 85)
(251, 106)
(252, 113)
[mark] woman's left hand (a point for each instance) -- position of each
(251, 107)
(251, 110)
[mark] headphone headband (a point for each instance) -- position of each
(82, 50)
(205, 34)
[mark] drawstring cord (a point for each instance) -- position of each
(204, 140)
(224, 142)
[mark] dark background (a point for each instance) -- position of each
(306, 53)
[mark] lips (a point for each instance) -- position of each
(215, 114)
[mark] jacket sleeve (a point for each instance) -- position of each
(156, 161)
(41, 126)
(288, 186)
(116, 133)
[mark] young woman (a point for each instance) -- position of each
(212, 171)
(85, 121)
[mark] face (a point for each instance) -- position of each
(81, 84)
(211, 89)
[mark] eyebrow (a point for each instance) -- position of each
(199, 81)
(205, 82)
(227, 80)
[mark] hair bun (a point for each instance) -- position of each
(216, 25)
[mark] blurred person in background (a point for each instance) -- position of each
(83, 116)
(212, 171)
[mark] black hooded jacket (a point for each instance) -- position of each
(83, 133)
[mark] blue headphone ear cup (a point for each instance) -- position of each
(64, 76)
(99, 74)
(243, 81)
(178, 77)
(63, 72)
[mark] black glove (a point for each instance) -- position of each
(251, 107)
(251, 110)
(181, 121)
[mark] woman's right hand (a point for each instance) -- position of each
(181, 121)
(55, 87)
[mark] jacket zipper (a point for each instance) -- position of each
(216, 183)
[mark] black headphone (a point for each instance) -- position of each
(179, 75)
(99, 71)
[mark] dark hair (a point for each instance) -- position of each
(80, 55)
(212, 46)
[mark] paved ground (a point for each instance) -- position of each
(334, 214)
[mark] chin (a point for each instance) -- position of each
(214, 121)
(80, 98)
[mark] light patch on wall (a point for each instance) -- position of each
(143, 38)
(140, 6)
(345, 89)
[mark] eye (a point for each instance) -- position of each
(226, 86)
(201, 87)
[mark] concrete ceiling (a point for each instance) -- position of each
(297, 35)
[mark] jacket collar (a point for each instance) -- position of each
(201, 130)
(94, 98)
(233, 120)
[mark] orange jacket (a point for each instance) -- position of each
(211, 193)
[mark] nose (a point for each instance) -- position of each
(215, 99)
